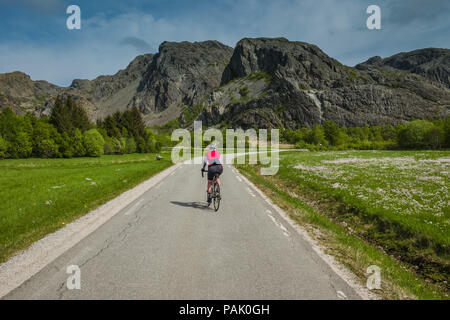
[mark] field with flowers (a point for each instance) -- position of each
(397, 201)
(411, 188)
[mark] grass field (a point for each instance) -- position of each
(39, 196)
(411, 188)
(396, 201)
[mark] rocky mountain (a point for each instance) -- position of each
(306, 86)
(260, 83)
(179, 76)
(108, 94)
(431, 63)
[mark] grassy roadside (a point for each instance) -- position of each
(39, 196)
(399, 281)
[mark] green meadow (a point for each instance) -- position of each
(39, 196)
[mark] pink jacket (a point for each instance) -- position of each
(212, 157)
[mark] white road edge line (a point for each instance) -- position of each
(250, 192)
(336, 266)
(279, 225)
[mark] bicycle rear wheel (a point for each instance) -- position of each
(216, 195)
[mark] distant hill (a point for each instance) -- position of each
(263, 82)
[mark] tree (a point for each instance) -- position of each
(66, 147)
(77, 142)
(376, 133)
(46, 148)
(332, 133)
(43, 139)
(108, 147)
(132, 120)
(152, 143)
(412, 136)
(93, 142)
(17, 131)
(446, 127)
(66, 116)
(130, 145)
(111, 126)
(79, 116)
(316, 135)
(60, 116)
(388, 132)
(118, 145)
(434, 138)
(20, 146)
(141, 144)
(3, 148)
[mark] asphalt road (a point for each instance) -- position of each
(168, 245)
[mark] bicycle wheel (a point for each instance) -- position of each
(216, 194)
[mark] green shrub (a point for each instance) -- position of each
(118, 145)
(93, 142)
(130, 145)
(20, 146)
(65, 145)
(316, 136)
(108, 146)
(413, 135)
(77, 141)
(434, 138)
(47, 148)
(3, 148)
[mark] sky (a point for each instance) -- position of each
(34, 37)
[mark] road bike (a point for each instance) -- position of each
(215, 194)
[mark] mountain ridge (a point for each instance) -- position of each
(262, 82)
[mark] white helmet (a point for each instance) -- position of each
(213, 146)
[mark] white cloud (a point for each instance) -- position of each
(337, 27)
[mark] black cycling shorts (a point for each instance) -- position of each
(215, 169)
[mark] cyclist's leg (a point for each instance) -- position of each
(209, 186)
(219, 172)
(210, 179)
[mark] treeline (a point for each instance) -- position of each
(67, 133)
(417, 134)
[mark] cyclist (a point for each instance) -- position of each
(212, 160)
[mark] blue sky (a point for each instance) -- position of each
(34, 38)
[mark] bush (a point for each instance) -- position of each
(130, 145)
(3, 148)
(434, 138)
(78, 145)
(44, 139)
(108, 147)
(316, 136)
(66, 148)
(118, 145)
(446, 128)
(20, 146)
(413, 135)
(333, 133)
(93, 142)
(46, 148)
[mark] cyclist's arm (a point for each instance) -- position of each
(204, 163)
